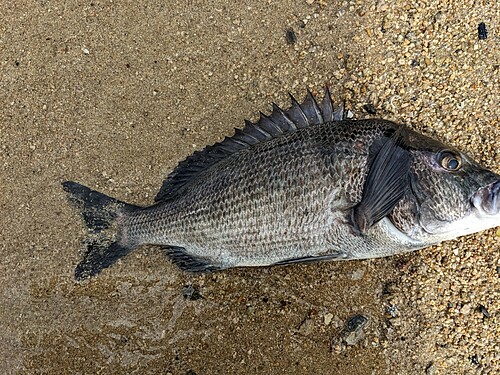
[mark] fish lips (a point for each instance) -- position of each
(487, 199)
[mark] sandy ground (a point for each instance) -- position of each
(113, 94)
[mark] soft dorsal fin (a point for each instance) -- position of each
(279, 122)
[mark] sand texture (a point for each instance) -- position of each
(114, 94)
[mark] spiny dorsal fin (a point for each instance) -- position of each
(279, 122)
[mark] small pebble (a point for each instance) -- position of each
(291, 38)
(369, 108)
(475, 360)
(357, 274)
(430, 369)
(392, 310)
(482, 32)
(191, 293)
(328, 318)
(356, 323)
(307, 327)
(466, 309)
(483, 310)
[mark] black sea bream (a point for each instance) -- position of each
(300, 185)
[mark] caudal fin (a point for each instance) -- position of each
(104, 244)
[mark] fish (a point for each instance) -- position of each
(300, 185)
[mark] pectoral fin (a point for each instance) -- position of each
(385, 185)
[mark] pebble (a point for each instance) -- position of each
(466, 309)
(355, 329)
(352, 334)
(328, 318)
(475, 360)
(191, 293)
(483, 310)
(482, 31)
(356, 323)
(306, 327)
(291, 38)
(357, 274)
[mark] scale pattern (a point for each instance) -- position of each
(279, 199)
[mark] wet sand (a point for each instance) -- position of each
(115, 94)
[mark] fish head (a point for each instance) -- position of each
(450, 195)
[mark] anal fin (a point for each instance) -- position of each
(310, 259)
(188, 262)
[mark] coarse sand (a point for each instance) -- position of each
(114, 94)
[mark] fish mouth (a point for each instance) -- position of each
(484, 214)
(487, 199)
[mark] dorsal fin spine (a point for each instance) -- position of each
(315, 107)
(327, 107)
(269, 125)
(274, 125)
(261, 128)
(290, 123)
(297, 110)
(235, 140)
(278, 123)
(245, 136)
(257, 130)
(238, 141)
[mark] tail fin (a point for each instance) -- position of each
(103, 244)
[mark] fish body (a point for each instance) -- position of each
(300, 185)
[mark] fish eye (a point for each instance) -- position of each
(450, 161)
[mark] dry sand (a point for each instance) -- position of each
(113, 94)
